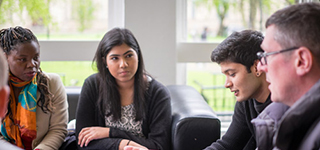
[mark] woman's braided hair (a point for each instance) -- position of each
(9, 39)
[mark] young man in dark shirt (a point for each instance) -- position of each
(238, 60)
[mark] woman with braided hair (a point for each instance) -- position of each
(37, 113)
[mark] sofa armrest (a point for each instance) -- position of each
(194, 124)
(73, 94)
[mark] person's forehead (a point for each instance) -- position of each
(26, 48)
(121, 49)
(269, 43)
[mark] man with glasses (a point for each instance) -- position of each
(292, 63)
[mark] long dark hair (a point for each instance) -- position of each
(9, 39)
(109, 97)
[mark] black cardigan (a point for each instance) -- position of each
(156, 124)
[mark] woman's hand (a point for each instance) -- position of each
(91, 133)
(134, 148)
(130, 145)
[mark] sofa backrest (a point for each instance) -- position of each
(73, 94)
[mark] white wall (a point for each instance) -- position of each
(153, 24)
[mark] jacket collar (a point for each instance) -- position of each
(298, 119)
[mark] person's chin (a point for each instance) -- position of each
(27, 79)
(274, 98)
(240, 99)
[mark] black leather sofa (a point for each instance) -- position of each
(194, 124)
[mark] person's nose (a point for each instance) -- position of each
(123, 63)
(261, 67)
(32, 63)
(228, 83)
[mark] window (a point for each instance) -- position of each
(72, 73)
(59, 19)
(209, 22)
(69, 41)
(213, 20)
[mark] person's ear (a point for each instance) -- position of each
(4, 98)
(303, 61)
(256, 71)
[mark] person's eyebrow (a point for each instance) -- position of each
(226, 71)
(112, 55)
(25, 55)
(130, 50)
(122, 54)
(22, 55)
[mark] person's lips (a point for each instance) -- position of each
(124, 72)
(236, 92)
(30, 73)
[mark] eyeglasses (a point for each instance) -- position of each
(264, 54)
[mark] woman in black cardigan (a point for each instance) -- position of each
(121, 105)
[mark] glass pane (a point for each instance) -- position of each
(209, 81)
(61, 20)
(205, 25)
(72, 73)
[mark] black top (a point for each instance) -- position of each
(240, 134)
(156, 124)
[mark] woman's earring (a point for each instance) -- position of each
(107, 67)
(258, 74)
